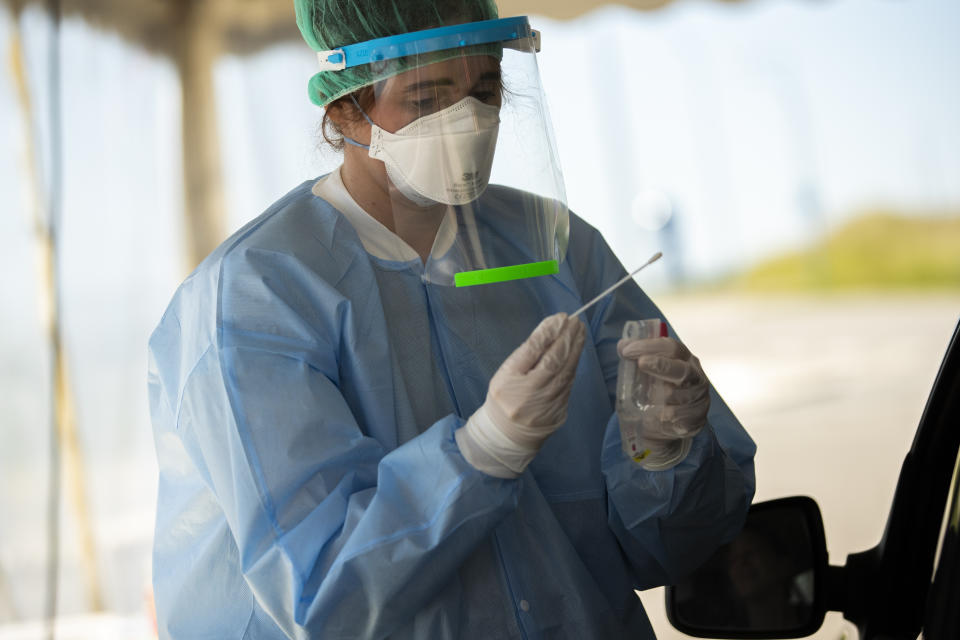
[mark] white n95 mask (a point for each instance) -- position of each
(444, 157)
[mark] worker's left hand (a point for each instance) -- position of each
(682, 397)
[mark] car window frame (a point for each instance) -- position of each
(942, 616)
(905, 555)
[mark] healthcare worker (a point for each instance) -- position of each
(373, 415)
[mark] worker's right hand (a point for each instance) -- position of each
(526, 399)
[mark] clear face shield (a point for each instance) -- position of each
(460, 134)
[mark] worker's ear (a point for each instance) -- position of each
(335, 111)
(347, 119)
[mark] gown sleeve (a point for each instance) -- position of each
(667, 522)
(337, 536)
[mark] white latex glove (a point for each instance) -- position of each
(680, 396)
(526, 399)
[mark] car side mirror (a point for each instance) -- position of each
(768, 582)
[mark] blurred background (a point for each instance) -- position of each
(798, 162)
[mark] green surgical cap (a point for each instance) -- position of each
(331, 24)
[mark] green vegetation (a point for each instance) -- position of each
(873, 251)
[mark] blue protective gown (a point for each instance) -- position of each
(304, 397)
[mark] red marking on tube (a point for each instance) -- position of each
(663, 329)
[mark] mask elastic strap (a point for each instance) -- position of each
(350, 140)
(362, 112)
(367, 118)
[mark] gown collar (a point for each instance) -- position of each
(378, 240)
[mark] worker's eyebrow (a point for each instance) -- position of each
(489, 76)
(429, 84)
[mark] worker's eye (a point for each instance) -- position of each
(487, 97)
(425, 104)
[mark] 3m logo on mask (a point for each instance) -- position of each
(468, 187)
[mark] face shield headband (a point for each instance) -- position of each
(512, 33)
